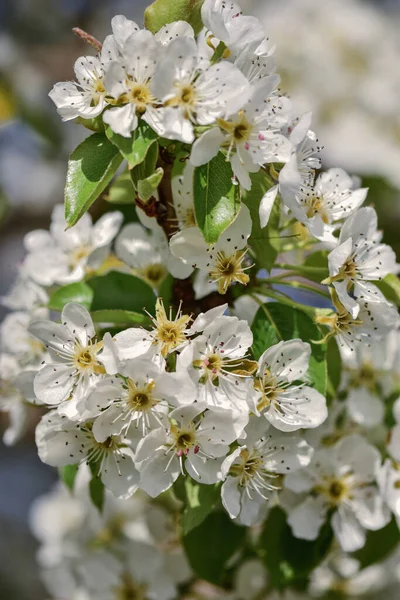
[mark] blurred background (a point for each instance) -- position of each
(339, 58)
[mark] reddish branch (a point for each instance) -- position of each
(88, 38)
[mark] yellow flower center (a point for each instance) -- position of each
(141, 398)
(336, 489)
(85, 358)
(315, 206)
(154, 274)
(169, 333)
(229, 269)
(239, 130)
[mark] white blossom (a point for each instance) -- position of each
(278, 393)
(340, 479)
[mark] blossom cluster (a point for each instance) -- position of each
(250, 391)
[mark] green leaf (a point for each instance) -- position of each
(290, 560)
(135, 148)
(96, 490)
(119, 317)
(147, 167)
(78, 292)
(199, 502)
(166, 290)
(96, 124)
(379, 545)
(162, 12)
(275, 322)
(121, 291)
(390, 288)
(265, 242)
(333, 369)
(91, 167)
(68, 475)
(122, 190)
(210, 545)
(216, 198)
(146, 188)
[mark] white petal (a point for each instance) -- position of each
(206, 147)
(53, 383)
(365, 407)
(266, 204)
(230, 496)
(307, 519)
(122, 120)
(120, 475)
(348, 531)
(288, 360)
(78, 320)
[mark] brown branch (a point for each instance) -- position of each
(166, 215)
(89, 39)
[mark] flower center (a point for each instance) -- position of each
(229, 269)
(268, 387)
(336, 489)
(140, 95)
(140, 398)
(154, 273)
(78, 255)
(85, 359)
(169, 333)
(129, 590)
(315, 206)
(239, 130)
(184, 439)
(248, 466)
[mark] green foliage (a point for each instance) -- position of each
(73, 292)
(122, 191)
(333, 369)
(275, 322)
(91, 167)
(120, 317)
(68, 475)
(166, 290)
(96, 490)
(146, 188)
(379, 544)
(216, 198)
(135, 148)
(265, 242)
(95, 124)
(199, 502)
(290, 560)
(210, 545)
(120, 291)
(162, 12)
(390, 288)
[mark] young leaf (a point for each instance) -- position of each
(265, 242)
(68, 475)
(122, 190)
(78, 292)
(210, 545)
(163, 12)
(290, 560)
(121, 291)
(200, 500)
(146, 167)
(146, 188)
(216, 198)
(275, 322)
(135, 148)
(91, 167)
